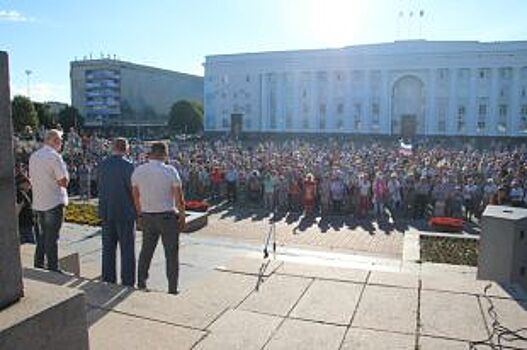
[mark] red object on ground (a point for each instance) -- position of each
(196, 205)
(442, 223)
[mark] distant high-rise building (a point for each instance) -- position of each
(412, 87)
(109, 92)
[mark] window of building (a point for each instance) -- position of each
(482, 110)
(225, 79)
(340, 124)
(322, 109)
(235, 95)
(523, 119)
(304, 93)
(322, 122)
(248, 78)
(443, 73)
(481, 126)
(502, 111)
(340, 108)
(461, 111)
(506, 73)
(375, 109)
(482, 74)
(305, 122)
(523, 92)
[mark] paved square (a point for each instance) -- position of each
(277, 295)
(364, 339)
(239, 329)
(387, 308)
(329, 301)
(117, 331)
(456, 316)
(323, 272)
(428, 343)
(295, 334)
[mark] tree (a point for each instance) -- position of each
(69, 118)
(24, 113)
(186, 116)
(44, 115)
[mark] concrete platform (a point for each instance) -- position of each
(295, 334)
(47, 317)
(329, 301)
(323, 272)
(387, 308)
(238, 329)
(365, 339)
(277, 296)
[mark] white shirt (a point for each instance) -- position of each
(45, 168)
(155, 181)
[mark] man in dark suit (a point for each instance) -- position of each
(117, 211)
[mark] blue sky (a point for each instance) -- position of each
(45, 35)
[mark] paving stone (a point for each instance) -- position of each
(456, 316)
(405, 280)
(511, 314)
(387, 308)
(196, 307)
(135, 333)
(238, 329)
(364, 339)
(104, 295)
(429, 343)
(457, 283)
(277, 295)
(251, 266)
(324, 272)
(296, 334)
(329, 301)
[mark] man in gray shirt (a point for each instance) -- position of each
(158, 196)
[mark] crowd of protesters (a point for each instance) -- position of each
(331, 176)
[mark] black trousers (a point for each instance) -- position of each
(164, 225)
(120, 232)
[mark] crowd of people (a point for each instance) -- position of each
(330, 176)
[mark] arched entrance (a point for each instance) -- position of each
(408, 107)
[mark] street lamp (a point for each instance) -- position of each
(28, 73)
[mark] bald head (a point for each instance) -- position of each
(53, 138)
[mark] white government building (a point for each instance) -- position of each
(408, 88)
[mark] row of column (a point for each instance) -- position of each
(365, 98)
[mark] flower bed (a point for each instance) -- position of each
(83, 214)
(449, 250)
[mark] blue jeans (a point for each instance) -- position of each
(120, 232)
(49, 224)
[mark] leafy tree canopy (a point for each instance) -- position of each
(186, 117)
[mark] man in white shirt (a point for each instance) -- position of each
(49, 180)
(158, 197)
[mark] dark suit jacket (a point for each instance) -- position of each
(115, 189)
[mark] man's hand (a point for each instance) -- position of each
(182, 224)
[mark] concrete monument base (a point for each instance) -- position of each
(47, 317)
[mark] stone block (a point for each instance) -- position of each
(123, 332)
(364, 339)
(10, 266)
(47, 317)
(387, 308)
(323, 272)
(404, 280)
(329, 301)
(238, 329)
(296, 334)
(512, 315)
(251, 266)
(455, 316)
(277, 295)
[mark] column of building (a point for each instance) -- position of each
(431, 119)
(264, 103)
(296, 121)
(331, 115)
(281, 100)
(385, 112)
(514, 115)
(472, 110)
(367, 103)
(313, 120)
(492, 128)
(452, 103)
